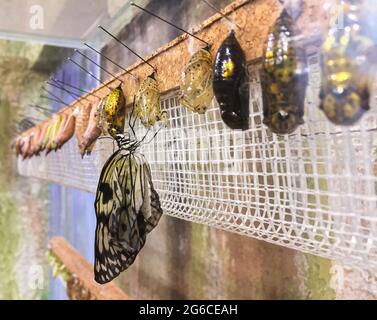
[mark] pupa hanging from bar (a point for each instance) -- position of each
(346, 69)
(113, 108)
(114, 112)
(147, 103)
(147, 98)
(127, 206)
(230, 84)
(284, 78)
(196, 91)
(108, 116)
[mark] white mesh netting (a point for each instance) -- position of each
(314, 191)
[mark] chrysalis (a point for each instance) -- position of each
(114, 112)
(50, 146)
(25, 147)
(147, 103)
(284, 78)
(230, 83)
(346, 74)
(67, 131)
(82, 121)
(18, 145)
(47, 134)
(42, 135)
(34, 149)
(196, 82)
(93, 131)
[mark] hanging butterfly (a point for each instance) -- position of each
(346, 71)
(196, 82)
(284, 78)
(230, 83)
(147, 103)
(127, 208)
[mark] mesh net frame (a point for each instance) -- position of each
(313, 191)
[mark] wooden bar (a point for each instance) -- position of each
(254, 18)
(77, 265)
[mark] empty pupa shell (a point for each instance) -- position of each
(196, 82)
(346, 70)
(230, 84)
(42, 137)
(30, 151)
(93, 131)
(51, 145)
(147, 102)
(18, 145)
(284, 78)
(82, 120)
(34, 149)
(47, 134)
(25, 146)
(67, 131)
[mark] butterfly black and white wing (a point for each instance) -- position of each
(127, 208)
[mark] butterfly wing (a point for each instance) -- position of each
(108, 200)
(127, 208)
(151, 208)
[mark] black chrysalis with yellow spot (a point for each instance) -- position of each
(346, 73)
(284, 78)
(230, 84)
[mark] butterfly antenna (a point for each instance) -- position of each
(130, 117)
(135, 118)
(154, 136)
(146, 134)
